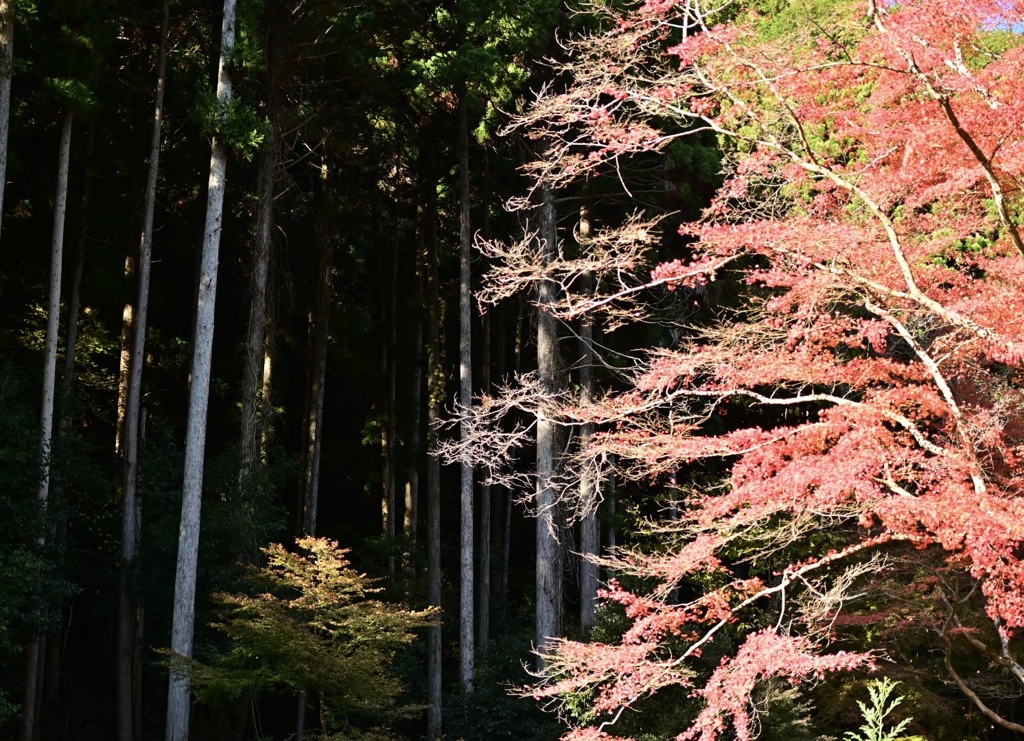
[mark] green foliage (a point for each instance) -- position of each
(28, 572)
(312, 627)
(237, 125)
(876, 712)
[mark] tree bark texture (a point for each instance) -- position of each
(483, 587)
(183, 621)
(589, 532)
(33, 656)
(129, 615)
(549, 569)
(255, 342)
(466, 633)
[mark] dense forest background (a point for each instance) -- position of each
(376, 169)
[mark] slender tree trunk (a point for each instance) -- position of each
(390, 446)
(51, 686)
(506, 543)
(466, 633)
(435, 393)
(36, 648)
(412, 484)
(589, 532)
(485, 538)
(612, 496)
(6, 70)
(498, 493)
(129, 616)
(549, 571)
(255, 356)
(183, 622)
(483, 588)
(318, 372)
(74, 303)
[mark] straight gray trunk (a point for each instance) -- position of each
(466, 400)
(483, 587)
(74, 303)
(33, 659)
(589, 529)
(183, 621)
(6, 69)
(129, 615)
(549, 569)
(255, 342)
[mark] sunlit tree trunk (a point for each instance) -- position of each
(6, 69)
(256, 335)
(183, 621)
(129, 615)
(124, 359)
(589, 532)
(466, 634)
(549, 570)
(33, 662)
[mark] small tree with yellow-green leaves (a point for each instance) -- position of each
(315, 630)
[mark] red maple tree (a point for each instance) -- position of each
(872, 379)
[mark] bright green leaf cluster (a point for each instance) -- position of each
(315, 630)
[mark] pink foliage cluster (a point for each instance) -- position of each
(871, 211)
(763, 654)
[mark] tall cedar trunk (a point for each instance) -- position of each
(183, 622)
(466, 633)
(589, 533)
(435, 393)
(485, 538)
(6, 68)
(483, 587)
(318, 370)
(390, 430)
(255, 342)
(75, 300)
(498, 493)
(506, 542)
(129, 615)
(36, 648)
(549, 571)
(612, 495)
(412, 484)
